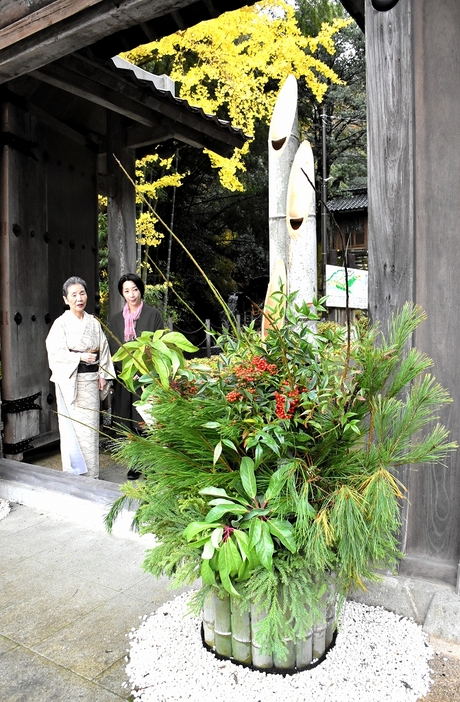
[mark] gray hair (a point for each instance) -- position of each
(74, 280)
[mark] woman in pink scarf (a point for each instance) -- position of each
(128, 324)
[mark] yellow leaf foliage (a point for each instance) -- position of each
(145, 229)
(228, 62)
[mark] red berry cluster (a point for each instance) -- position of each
(233, 396)
(251, 372)
(292, 396)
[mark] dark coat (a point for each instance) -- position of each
(123, 411)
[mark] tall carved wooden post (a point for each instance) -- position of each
(121, 209)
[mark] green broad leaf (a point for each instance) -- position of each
(245, 571)
(208, 550)
(248, 477)
(199, 543)
(352, 427)
(256, 512)
(160, 349)
(216, 513)
(120, 354)
(278, 481)
(146, 379)
(195, 528)
(255, 532)
(223, 501)
(229, 443)
(258, 455)
(227, 584)
(176, 361)
(213, 492)
(211, 425)
(216, 537)
(283, 531)
(217, 452)
(180, 341)
(208, 576)
(242, 540)
(271, 443)
(265, 547)
(228, 560)
(162, 369)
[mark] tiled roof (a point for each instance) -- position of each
(355, 200)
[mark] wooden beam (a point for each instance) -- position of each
(81, 29)
(91, 90)
(80, 76)
(138, 136)
(42, 19)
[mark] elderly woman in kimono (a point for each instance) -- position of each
(79, 358)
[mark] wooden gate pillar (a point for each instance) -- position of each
(121, 209)
(413, 87)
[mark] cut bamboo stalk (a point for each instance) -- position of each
(304, 651)
(209, 616)
(319, 636)
(301, 225)
(259, 659)
(283, 141)
(222, 626)
(241, 633)
(286, 662)
(274, 309)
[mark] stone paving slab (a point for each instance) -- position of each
(27, 677)
(30, 620)
(69, 596)
(443, 617)
(97, 640)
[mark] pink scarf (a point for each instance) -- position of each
(130, 329)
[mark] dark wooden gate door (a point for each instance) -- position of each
(48, 212)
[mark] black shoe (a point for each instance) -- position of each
(133, 474)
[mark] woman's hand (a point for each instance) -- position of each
(102, 383)
(89, 358)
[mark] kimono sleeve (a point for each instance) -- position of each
(62, 362)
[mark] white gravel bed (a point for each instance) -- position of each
(378, 656)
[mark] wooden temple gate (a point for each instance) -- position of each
(65, 108)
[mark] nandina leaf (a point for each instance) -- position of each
(264, 547)
(229, 563)
(207, 574)
(284, 531)
(218, 511)
(217, 452)
(243, 542)
(216, 536)
(195, 528)
(180, 341)
(278, 480)
(248, 477)
(214, 492)
(208, 550)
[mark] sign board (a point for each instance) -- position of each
(357, 287)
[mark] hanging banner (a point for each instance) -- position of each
(357, 287)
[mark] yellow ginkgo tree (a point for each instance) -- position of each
(233, 66)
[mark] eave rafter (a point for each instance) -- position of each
(156, 114)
